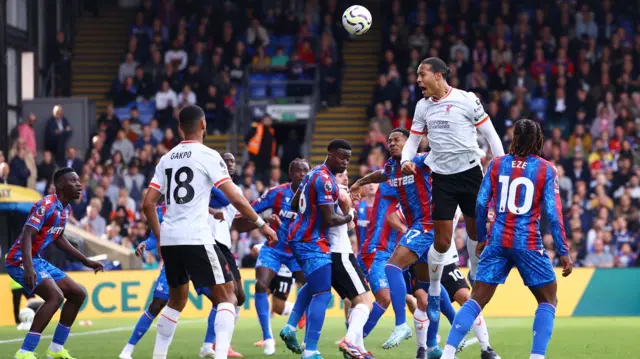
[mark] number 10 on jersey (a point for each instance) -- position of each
(509, 191)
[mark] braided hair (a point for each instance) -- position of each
(527, 139)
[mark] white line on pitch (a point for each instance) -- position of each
(94, 332)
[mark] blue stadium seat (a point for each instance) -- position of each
(258, 77)
(538, 104)
(258, 91)
(278, 78)
(278, 91)
(287, 40)
(123, 113)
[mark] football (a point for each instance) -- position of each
(356, 20)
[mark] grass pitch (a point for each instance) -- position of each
(573, 338)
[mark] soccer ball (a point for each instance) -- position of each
(356, 20)
(26, 315)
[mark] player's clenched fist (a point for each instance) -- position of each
(409, 168)
(567, 265)
(269, 233)
(140, 249)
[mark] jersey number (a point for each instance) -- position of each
(186, 184)
(456, 275)
(302, 202)
(508, 194)
(412, 234)
(284, 286)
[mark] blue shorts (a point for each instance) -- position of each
(273, 259)
(408, 280)
(534, 266)
(311, 255)
(376, 275)
(418, 241)
(161, 291)
(44, 270)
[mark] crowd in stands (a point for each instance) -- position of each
(573, 68)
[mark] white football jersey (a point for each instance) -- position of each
(185, 176)
(450, 124)
(221, 228)
(339, 241)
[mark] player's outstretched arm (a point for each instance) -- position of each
(64, 245)
(28, 234)
(489, 132)
(553, 208)
(374, 177)
(243, 206)
(149, 209)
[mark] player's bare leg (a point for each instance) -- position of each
(479, 327)
(412, 303)
(264, 276)
(466, 316)
(544, 318)
(353, 343)
(443, 231)
(400, 260)
(75, 296)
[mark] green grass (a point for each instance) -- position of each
(573, 338)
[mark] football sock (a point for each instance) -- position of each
(31, 341)
(421, 323)
(315, 320)
(446, 308)
(145, 321)
(262, 307)
(473, 259)
(432, 334)
(167, 324)
(302, 303)
(224, 325)
(480, 329)
(288, 307)
(536, 356)
(462, 323)
(235, 320)
(210, 335)
(398, 292)
(59, 338)
(375, 315)
(543, 328)
(357, 319)
(436, 263)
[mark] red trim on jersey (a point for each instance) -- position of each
(511, 220)
(154, 185)
(224, 180)
(532, 240)
(313, 210)
(418, 132)
(484, 119)
(324, 245)
(188, 142)
(443, 97)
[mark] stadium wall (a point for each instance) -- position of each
(587, 292)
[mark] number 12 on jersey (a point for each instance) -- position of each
(509, 191)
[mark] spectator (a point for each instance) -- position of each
(134, 181)
(599, 258)
(280, 59)
(4, 173)
(328, 82)
(261, 145)
(382, 120)
(146, 138)
(109, 123)
(28, 134)
(257, 35)
(127, 68)
(106, 204)
(213, 106)
(18, 172)
(127, 94)
(113, 233)
(176, 57)
(93, 222)
(166, 101)
(72, 161)
(124, 146)
(186, 97)
(57, 133)
(261, 62)
(143, 85)
(155, 69)
(45, 171)
(61, 60)
(169, 140)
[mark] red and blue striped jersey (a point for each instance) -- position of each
(520, 187)
(413, 192)
(49, 218)
(364, 211)
(318, 188)
(381, 238)
(278, 199)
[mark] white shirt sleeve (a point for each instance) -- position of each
(489, 132)
(158, 181)
(418, 129)
(475, 111)
(215, 167)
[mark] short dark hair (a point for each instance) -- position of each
(60, 173)
(401, 130)
(296, 161)
(338, 144)
(437, 65)
(190, 117)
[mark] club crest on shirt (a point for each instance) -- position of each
(41, 211)
(447, 109)
(328, 187)
(556, 185)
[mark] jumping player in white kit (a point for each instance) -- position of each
(185, 175)
(450, 118)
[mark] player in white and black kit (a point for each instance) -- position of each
(348, 280)
(450, 118)
(185, 175)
